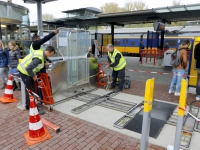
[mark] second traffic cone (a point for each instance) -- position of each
(8, 93)
(37, 132)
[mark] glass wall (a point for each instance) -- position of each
(14, 24)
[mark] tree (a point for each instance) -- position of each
(129, 6)
(180, 23)
(176, 3)
(110, 8)
(46, 17)
(134, 6)
(140, 5)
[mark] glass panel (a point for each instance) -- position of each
(105, 38)
(178, 9)
(74, 45)
(171, 42)
(83, 43)
(63, 42)
(193, 7)
(10, 14)
(162, 10)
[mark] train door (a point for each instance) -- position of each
(125, 45)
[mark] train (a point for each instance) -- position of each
(127, 41)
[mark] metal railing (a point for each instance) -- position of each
(154, 54)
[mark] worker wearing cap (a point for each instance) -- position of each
(118, 63)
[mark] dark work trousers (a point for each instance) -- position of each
(29, 84)
(121, 76)
(198, 83)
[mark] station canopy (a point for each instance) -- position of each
(92, 16)
(35, 1)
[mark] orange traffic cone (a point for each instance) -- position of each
(8, 93)
(37, 132)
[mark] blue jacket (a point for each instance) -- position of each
(4, 56)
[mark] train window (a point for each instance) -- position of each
(171, 42)
(132, 43)
(117, 42)
(125, 41)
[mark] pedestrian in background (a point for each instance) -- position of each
(4, 56)
(95, 49)
(141, 46)
(14, 56)
(178, 71)
(197, 58)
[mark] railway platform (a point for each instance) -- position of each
(93, 129)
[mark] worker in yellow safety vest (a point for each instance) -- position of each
(117, 62)
(37, 42)
(37, 45)
(189, 46)
(30, 65)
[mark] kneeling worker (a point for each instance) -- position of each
(118, 63)
(31, 65)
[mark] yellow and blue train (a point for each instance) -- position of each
(129, 45)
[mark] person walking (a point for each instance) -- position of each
(4, 56)
(118, 63)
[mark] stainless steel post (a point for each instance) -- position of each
(145, 130)
(178, 133)
(39, 17)
(23, 94)
(181, 113)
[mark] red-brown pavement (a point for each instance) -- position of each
(75, 134)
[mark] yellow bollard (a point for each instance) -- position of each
(148, 100)
(183, 96)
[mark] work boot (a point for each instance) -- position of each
(14, 86)
(18, 86)
(40, 111)
(117, 90)
(3, 86)
(112, 88)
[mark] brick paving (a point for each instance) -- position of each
(160, 92)
(76, 134)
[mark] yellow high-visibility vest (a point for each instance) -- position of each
(122, 61)
(32, 50)
(28, 59)
(189, 46)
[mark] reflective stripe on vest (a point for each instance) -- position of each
(28, 59)
(32, 50)
(122, 61)
(189, 46)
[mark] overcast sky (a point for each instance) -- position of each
(56, 7)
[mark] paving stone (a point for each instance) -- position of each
(75, 133)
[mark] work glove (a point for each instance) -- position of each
(107, 66)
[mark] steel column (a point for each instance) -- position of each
(112, 33)
(39, 17)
